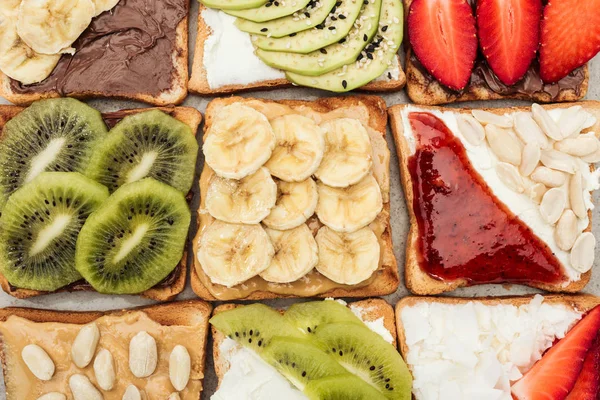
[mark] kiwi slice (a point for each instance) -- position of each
(366, 354)
(300, 361)
(40, 224)
(49, 135)
(254, 326)
(135, 239)
(342, 387)
(309, 316)
(149, 144)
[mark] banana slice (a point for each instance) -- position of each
(296, 254)
(296, 202)
(10, 8)
(51, 26)
(233, 253)
(347, 153)
(247, 201)
(299, 149)
(104, 5)
(19, 61)
(239, 141)
(347, 258)
(349, 209)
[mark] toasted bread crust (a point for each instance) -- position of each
(374, 309)
(581, 303)
(199, 81)
(184, 313)
(175, 95)
(419, 282)
(187, 115)
(387, 280)
(422, 90)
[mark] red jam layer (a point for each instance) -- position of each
(465, 232)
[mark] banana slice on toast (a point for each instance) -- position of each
(299, 149)
(296, 254)
(239, 141)
(352, 208)
(245, 201)
(233, 253)
(104, 5)
(347, 258)
(296, 202)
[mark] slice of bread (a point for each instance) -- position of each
(581, 303)
(423, 89)
(175, 282)
(199, 82)
(386, 278)
(193, 313)
(175, 95)
(419, 282)
(372, 310)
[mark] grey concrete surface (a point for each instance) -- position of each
(399, 217)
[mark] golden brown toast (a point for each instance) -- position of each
(175, 282)
(419, 282)
(386, 278)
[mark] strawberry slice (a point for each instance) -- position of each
(587, 386)
(509, 32)
(554, 376)
(443, 37)
(570, 37)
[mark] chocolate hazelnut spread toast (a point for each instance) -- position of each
(427, 266)
(174, 283)
(172, 326)
(136, 51)
(339, 116)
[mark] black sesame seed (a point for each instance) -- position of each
(369, 56)
(345, 85)
(303, 374)
(264, 29)
(341, 16)
(324, 52)
(384, 28)
(307, 14)
(276, 3)
(331, 28)
(360, 57)
(365, 37)
(320, 26)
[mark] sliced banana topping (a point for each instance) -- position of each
(233, 253)
(347, 153)
(349, 209)
(19, 61)
(245, 201)
(10, 8)
(299, 149)
(347, 258)
(296, 202)
(104, 5)
(51, 26)
(239, 141)
(296, 254)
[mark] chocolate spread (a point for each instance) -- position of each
(124, 52)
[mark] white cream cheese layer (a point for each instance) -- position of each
(473, 351)
(251, 378)
(484, 162)
(229, 57)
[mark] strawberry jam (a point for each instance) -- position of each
(465, 232)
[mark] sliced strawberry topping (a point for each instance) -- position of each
(570, 36)
(587, 386)
(554, 376)
(509, 32)
(443, 37)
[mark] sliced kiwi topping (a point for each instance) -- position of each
(135, 239)
(254, 326)
(149, 144)
(40, 224)
(342, 387)
(365, 354)
(309, 316)
(50, 135)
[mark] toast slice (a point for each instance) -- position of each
(199, 81)
(371, 310)
(171, 286)
(175, 94)
(190, 314)
(422, 88)
(386, 279)
(418, 281)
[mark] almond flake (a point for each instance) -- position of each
(559, 161)
(592, 158)
(545, 122)
(566, 230)
(548, 177)
(529, 131)
(486, 117)
(552, 205)
(536, 192)
(576, 196)
(471, 129)
(579, 147)
(504, 144)
(509, 175)
(530, 158)
(583, 252)
(571, 121)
